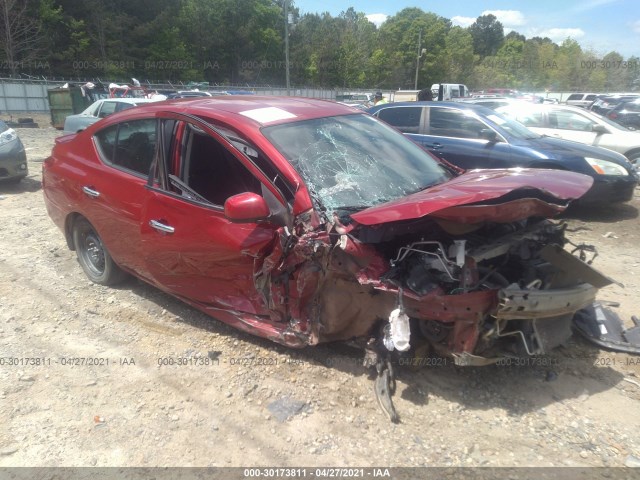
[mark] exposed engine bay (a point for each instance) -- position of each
(529, 289)
(474, 293)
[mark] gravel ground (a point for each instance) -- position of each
(229, 399)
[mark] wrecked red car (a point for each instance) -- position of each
(306, 221)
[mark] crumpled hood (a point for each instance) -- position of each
(476, 186)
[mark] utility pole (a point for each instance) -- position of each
(286, 43)
(415, 87)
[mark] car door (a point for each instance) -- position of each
(190, 247)
(462, 139)
(570, 125)
(113, 192)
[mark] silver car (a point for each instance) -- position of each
(577, 124)
(100, 109)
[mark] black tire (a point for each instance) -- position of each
(633, 156)
(93, 256)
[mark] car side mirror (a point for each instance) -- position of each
(599, 129)
(246, 207)
(488, 134)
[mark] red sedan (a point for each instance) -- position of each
(307, 221)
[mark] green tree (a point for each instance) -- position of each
(633, 77)
(398, 38)
(458, 56)
(356, 43)
(488, 35)
(615, 75)
(20, 33)
(316, 50)
(566, 69)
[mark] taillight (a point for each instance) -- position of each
(613, 115)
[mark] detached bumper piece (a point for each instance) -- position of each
(540, 318)
(602, 326)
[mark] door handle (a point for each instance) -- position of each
(90, 192)
(161, 227)
(435, 146)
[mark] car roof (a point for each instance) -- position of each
(127, 100)
(547, 106)
(259, 110)
(457, 105)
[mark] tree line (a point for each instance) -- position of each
(241, 42)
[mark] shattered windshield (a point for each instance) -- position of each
(352, 162)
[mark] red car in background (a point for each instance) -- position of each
(306, 221)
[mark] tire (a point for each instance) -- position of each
(633, 156)
(93, 256)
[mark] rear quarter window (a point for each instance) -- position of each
(129, 145)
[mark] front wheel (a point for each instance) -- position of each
(93, 255)
(633, 156)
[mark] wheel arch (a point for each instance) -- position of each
(68, 229)
(633, 152)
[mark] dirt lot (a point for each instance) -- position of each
(241, 401)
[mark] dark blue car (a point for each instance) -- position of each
(471, 136)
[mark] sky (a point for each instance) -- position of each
(599, 25)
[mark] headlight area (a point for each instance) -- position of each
(8, 136)
(604, 167)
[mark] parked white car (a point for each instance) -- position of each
(99, 109)
(581, 99)
(577, 124)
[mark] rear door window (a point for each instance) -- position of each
(107, 109)
(120, 106)
(405, 119)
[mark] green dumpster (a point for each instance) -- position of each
(64, 102)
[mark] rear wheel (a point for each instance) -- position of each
(93, 256)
